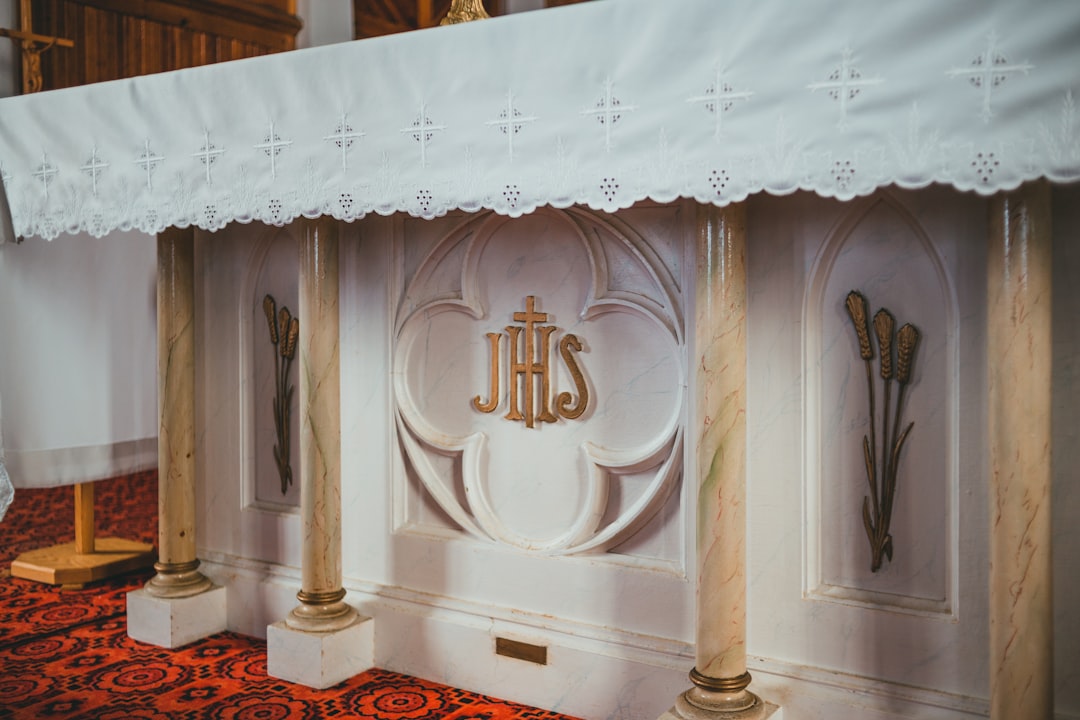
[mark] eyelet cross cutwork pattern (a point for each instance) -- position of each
(148, 160)
(422, 131)
(93, 167)
(844, 85)
(608, 111)
(343, 137)
(272, 145)
(208, 155)
(720, 97)
(988, 71)
(45, 173)
(601, 105)
(510, 122)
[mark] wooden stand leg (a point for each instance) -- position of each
(87, 559)
(84, 518)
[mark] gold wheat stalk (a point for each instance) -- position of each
(290, 341)
(284, 331)
(288, 352)
(856, 307)
(883, 327)
(270, 310)
(877, 509)
(907, 339)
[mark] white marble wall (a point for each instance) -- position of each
(450, 541)
(570, 485)
(274, 273)
(882, 250)
(575, 488)
(241, 510)
(921, 620)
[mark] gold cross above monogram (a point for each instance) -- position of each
(32, 45)
(534, 365)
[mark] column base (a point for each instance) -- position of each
(691, 705)
(321, 612)
(177, 580)
(320, 659)
(174, 622)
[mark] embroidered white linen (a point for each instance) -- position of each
(602, 103)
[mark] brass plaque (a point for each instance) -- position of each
(521, 650)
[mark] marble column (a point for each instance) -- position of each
(322, 607)
(720, 679)
(177, 574)
(179, 604)
(1019, 357)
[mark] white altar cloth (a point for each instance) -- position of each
(603, 104)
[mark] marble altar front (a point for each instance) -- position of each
(589, 413)
(461, 526)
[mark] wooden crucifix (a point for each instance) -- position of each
(32, 45)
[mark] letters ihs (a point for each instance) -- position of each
(523, 375)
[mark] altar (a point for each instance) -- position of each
(559, 355)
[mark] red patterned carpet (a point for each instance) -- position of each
(66, 654)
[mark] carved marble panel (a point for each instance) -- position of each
(595, 453)
(919, 621)
(272, 271)
(880, 249)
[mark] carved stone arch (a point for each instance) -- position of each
(270, 267)
(880, 247)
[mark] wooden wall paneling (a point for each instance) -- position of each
(231, 18)
(181, 48)
(141, 47)
(373, 18)
(124, 38)
(101, 58)
(68, 24)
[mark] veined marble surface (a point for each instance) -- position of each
(813, 598)
(826, 638)
(535, 484)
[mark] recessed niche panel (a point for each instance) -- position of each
(275, 273)
(881, 251)
(539, 386)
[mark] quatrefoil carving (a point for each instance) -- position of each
(562, 487)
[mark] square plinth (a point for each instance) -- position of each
(765, 711)
(173, 622)
(320, 660)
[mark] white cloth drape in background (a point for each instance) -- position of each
(78, 357)
(7, 491)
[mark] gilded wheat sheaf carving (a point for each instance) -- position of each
(877, 508)
(284, 332)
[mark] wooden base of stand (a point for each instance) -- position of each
(63, 565)
(87, 559)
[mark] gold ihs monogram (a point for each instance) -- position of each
(535, 369)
